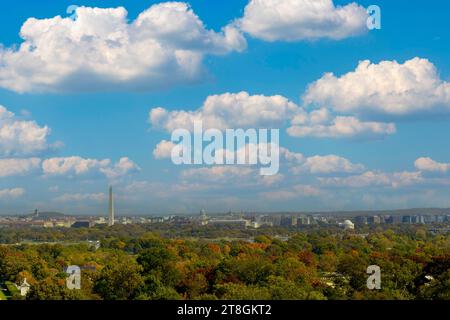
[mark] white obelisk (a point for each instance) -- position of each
(111, 207)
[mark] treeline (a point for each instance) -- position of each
(18, 234)
(319, 264)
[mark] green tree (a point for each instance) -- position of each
(119, 280)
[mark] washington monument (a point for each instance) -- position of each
(111, 207)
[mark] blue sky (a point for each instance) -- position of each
(91, 117)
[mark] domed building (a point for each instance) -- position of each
(348, 225)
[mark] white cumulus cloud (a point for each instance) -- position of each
(19, 137)
(228, 110)
(122, 168)
(11, 193)
(163, 150)
(12, 167)
(328, 164)
(227, 176)
(387, 88)
(102, 50)
(74, 166)
(294, 20)
(321, 123)
(375, 179)
(317, 165)
(73, 197)
(430, 165)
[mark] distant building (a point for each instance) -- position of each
(373, 220)
(47, 215)
(203, 217)
(82, 224)
(234, 222)
(125, 220)
(394, 219)
(48, 224)
(348, 225)
(23, 288)
(406, 219)
(417, 219)
(255, 224)
(63, 224)
(322, 219)
(361, 220)
(265, 221)
(100, 220)
(307, 220)
(288, 221)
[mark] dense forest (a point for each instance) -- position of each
(135, 263)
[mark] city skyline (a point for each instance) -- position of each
(89, 98)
